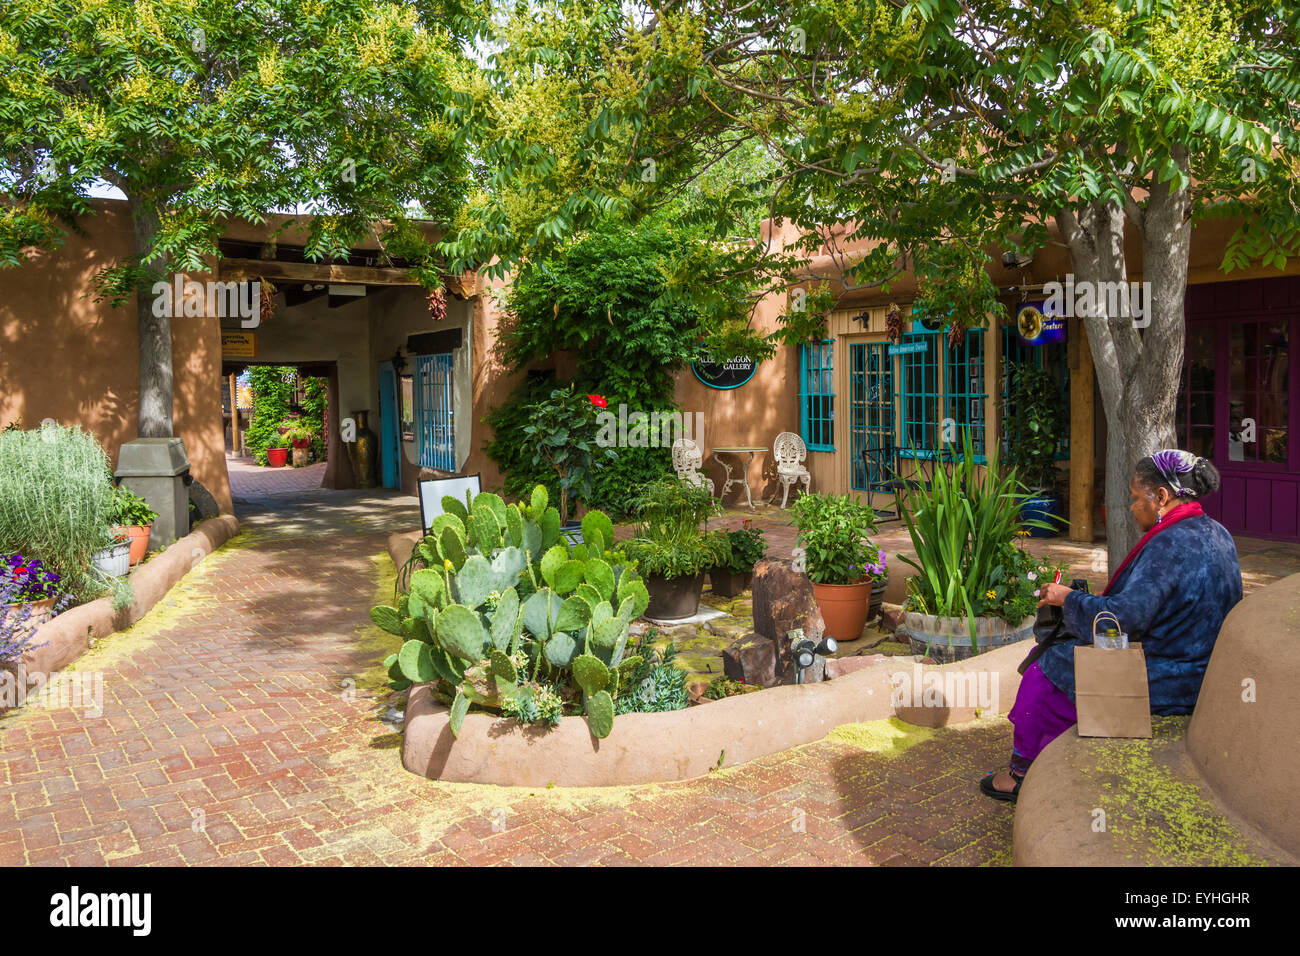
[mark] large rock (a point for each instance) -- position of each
(751, 659)
(784, 601)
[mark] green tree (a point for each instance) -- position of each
(204, 110)
(930, 136)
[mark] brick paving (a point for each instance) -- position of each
(241, 724)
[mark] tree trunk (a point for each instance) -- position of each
(155, 332)
(1138, 358)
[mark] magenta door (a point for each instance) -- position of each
(1238, 406)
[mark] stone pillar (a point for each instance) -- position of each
(158, 470)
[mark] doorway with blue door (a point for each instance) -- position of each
(416, 413)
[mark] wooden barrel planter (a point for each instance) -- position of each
(947, 639)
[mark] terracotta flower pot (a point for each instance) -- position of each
(844, 608)
(42, 610)
(276, 457)
(139, 535)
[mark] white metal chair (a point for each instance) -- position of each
(790, 453)
(687, 459)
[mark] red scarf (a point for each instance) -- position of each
(1189, 510)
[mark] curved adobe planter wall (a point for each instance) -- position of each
(67, 636)
(676, 745)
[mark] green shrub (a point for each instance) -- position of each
(271, 405)
(55, 497)
(129, 509)
(672, 539)
(834, 532)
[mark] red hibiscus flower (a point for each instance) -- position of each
(598, 401)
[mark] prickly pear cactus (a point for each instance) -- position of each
(499, 603)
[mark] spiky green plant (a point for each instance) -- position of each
(499, 604)
(960, 525)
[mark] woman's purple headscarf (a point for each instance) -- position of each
(1172, 462)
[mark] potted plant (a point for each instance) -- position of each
(300, 438)
(673, 548)
(130, 515)
(1035, 422)
(562, 429)
(26, 581)
(746, 547)
(114, 556)
(277, 451)
(974, 588)
(834, 533)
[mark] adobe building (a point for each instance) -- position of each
(865, 405)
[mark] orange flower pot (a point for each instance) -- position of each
(139, 535)
(844, 608)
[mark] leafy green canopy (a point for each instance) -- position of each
(937, 132)
(205, 110)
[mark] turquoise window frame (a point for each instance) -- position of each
(961, 366)
(919, 395)
(817, 395)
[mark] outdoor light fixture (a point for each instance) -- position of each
(805, 652)
(399, 363)
(1014, 260)
(863, 317)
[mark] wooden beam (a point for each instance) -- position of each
(243, 269)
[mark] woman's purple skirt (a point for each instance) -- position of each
(1041, 713)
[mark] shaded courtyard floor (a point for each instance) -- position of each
(243, 722)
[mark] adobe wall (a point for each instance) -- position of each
(66, 357)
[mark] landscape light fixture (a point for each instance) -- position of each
(805, 652)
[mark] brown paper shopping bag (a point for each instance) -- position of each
(1110, 692)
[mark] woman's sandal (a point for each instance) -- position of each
(987, 788)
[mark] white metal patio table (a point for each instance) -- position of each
(743, 480)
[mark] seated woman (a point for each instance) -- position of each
(1171, 594)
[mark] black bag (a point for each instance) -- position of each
(1049, 627)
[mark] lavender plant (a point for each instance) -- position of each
(17, 624)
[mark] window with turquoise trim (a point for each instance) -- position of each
(920, 394)
(964, 396)
(817, 395)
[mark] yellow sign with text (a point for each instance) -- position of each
(239, 345)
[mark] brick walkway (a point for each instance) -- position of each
(242, 724)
